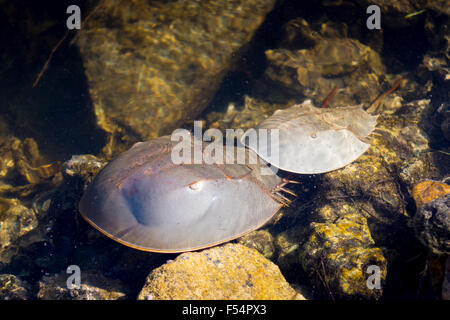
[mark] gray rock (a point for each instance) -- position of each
(432, 225)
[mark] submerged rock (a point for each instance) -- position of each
(360, 214)
(23, 171)
(261, 240)
(94, 286)
(231, 271)
(85, 166)
(380, 183)
(288, 244)
(152, 65)
(13, 288)
(432, 225)
(25, 197)
(332, 61)
(428, 190)
(16, 221)
(398, 158)
(337, 256)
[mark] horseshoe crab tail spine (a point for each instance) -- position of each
(329, 97)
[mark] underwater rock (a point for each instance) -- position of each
(7, 160)
(260, 240)
(152, 65)
(331, 62)
(380, 183)
(25, 234)
(94, 286)
(376, 188)
(26, 188)
(16, 221)
(23, 170)
(299, 33)
(432, 225)
(337, 256)
(85, 166)
(288, 244)
(13, 288)
(231, 271)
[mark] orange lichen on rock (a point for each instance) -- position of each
(428, 190)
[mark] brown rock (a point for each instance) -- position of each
(344, 63)
(152, 65)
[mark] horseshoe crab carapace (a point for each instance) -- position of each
(143, 200)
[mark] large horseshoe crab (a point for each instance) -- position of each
(144, 200)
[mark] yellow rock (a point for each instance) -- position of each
(337, 256)
(231, 271)
(16, 220)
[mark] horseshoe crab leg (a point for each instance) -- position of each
(287, 191)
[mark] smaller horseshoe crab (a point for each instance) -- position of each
(143, 200)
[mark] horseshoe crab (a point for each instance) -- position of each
(143, 200)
